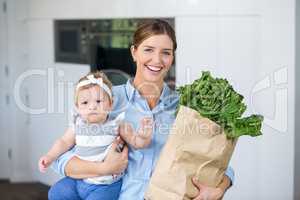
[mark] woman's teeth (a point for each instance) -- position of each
(154, 68)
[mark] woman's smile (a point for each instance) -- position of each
(154, 68)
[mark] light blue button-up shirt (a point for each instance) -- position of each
(141, 161)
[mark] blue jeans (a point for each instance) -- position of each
(74, 189)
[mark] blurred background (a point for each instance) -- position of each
(46, 45)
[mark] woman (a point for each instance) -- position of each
(147, 95)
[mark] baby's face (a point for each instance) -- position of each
(94, 104)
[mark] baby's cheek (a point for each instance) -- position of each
(81, 110)
(84, 116)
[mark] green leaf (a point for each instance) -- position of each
(216, 99)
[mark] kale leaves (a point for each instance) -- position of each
(215, 99)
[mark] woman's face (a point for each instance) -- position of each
(153, 57)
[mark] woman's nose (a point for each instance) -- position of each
(157, 58)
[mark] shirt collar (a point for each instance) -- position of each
(130, 90)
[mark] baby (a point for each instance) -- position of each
(93, 134)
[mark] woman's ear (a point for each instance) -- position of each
(133, 50)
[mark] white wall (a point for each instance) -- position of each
(4, 81)
(244, 40)
(297, 104)
(17, 62)
(277, 147)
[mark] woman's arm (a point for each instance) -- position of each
(77, 168)
(60, 163)
(114, 163)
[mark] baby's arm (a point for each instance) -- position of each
(60, 146)
(142, 138)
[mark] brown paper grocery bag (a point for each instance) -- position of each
(197, 147)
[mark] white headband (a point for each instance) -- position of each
(93, 80)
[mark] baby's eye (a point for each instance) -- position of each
(84, 102)
(98, 101)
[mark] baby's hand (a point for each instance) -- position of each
(142, 138)
(44, 162)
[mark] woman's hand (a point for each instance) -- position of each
(116, 162)
(208, 193)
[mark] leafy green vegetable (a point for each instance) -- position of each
(215, 99)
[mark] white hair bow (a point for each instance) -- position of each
(93, 80)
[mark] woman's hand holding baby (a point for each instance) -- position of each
(116, 162)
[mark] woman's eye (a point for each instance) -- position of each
(166, 53)
(148, 50)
